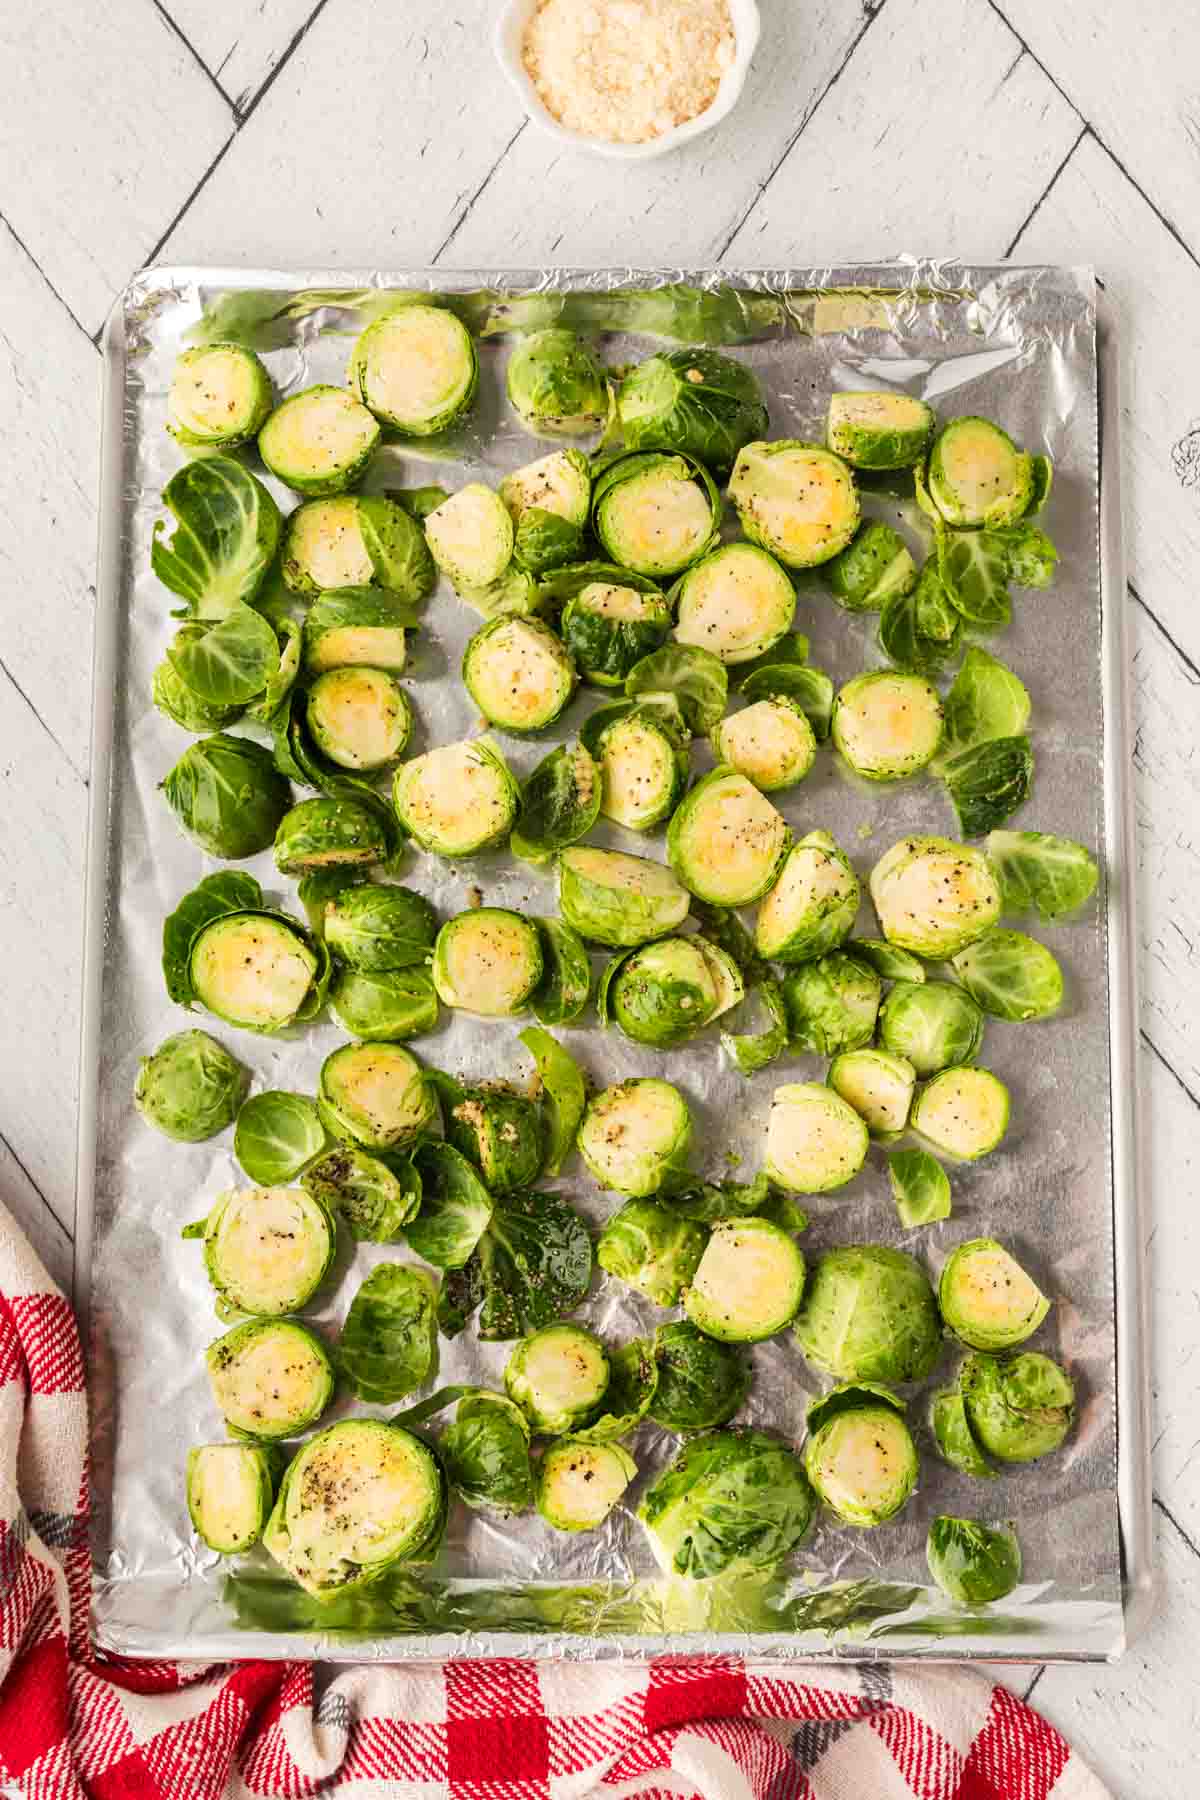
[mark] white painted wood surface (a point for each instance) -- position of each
(346, 132)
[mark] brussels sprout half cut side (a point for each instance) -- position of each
(812, 906)
(816, 1141)
(863, 1463)
(726, 841)
(613, 898)
(230, 1492)
(878, 1085)
(415, 369)
(500, 1131)
(795, 499)
(1011, 975)
(655, 514)
(376, 1095)
(266, 1250)
(220, 397)
(253, 969)
(319, 441)
(457, 799)
(749, 1282)
(971, 1562)
(643, 764)
(736, 603)
(869, 1314)
(190, 1088)
(702, 1382)
(270, 1378)
(667, 991)
(977, 476)
(1019, 1407)
(987, 1299)
(357, 541)
(879, 429)
(487, 961)
(770, 742)
(692, 400)
(558, 1376)
(962, 1112)
(933, 896)
(936, 1025)
(831, 1004)
(653, 1248)
(730, 1500)
(323, 834)
(635, 1134)
(518, 673)
(611, 621)
(228, 796)
(875, 567)
(887, 724)
(579, 1484)
(555, 384)
(360, 718)
(471, 537)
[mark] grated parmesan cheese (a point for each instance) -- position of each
(628, 70)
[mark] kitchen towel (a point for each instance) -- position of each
(74, 1723)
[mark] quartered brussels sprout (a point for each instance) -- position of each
(374, 1200)
(416, 369)
(878, 1085)
(668, 991)
(356, 541)
(355, 626)
(635, 1134)
(987, 1299)
(815, 1141)
(319, 441)
(256, 969)
(220, 396)
(518, 673)
(471, 536)
(278, 1135)
(384, 1006)
(879, 429)
(549, 501)
(694, 400)
(887, 724)
(228, 529)
(988, 782)
(813, 904)
(486, 1453)
(389, 1341)
(228, 796)
(579, 1484)
(770, 742)
(612, 898)
(702, 1382)
(933, 896)
(956, 1443)
(860, 1455)
(190, 1087)
(977, 476)
(500, 1131)
(972, 1562)
(487, 961)
(920, 1188)
(612, 618)
(726, 841)
(874, 567)
(1038, 872)
(655, 514)
(555, 384)
(230, 1492)
(869, 1314)
(373, 928)
(1011, 976)
(266, 1249)
(934, 1024)
(730, 1500)
(737, 602)
(831, 1004)
(798, 500)
(360, 718)
(558, 1376)
(323, 833)
(376, 1096)
(1019, 1407)
(457, 799)
(270, 1378)
(653, 1248)
(643, 763)
(749, 1281)
(560, 802)
(176, 700)
(963, 1112)
(357, 1498)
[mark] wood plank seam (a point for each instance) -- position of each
(27, 252)
(1032, 214)
(79, 773)
(1171, 1070)
(174, 26)
(469, 208)
(1154, 619)
(60, 1222)
(243, 113)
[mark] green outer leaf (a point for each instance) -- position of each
(227, 795)
(486, 1452)
(920, 631)
(280, 684)
(278, 1135)
(632, 1382)
(811, 689)
(920, 1187)
(536, 1265)
(227, 533)
(1011, 975)
(228, 891)
(1041, 873)
(565, 1093)
(975, 1564)
(234, 660)
(888, 960)
(986, 700)
(698, 679)
(607, 976)
(751, 1051)
(697, 402)
(1032, 557)
(566, 984)
(418, 502)
(956, 1442)
(316, 889)
(455, 1209)
(988, 784)
(974, 569)
(560, 802)
(388, 1344)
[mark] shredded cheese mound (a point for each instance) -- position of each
(628, 70)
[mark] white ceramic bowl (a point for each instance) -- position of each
(509, 37)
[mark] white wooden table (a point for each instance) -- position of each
(363, 132)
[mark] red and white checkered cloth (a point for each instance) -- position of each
(73, 1724)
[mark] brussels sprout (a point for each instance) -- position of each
(376, 1096)
(266, 1249)
(878, 1085)
(886, 960)
(319, 441)
(458, 799)
(986, 701)
(695, 401)
(933, 896)
(988, 783)
(518, 674)
(963, 1112)
(360, 718)
(620, 900)
(254, 969)
(532, 1265)
(726, 841)
(813, 904)
(770, 742)
(862, 1460)
(632, 1383)
(752, 1050)
(563, 1095)
(653, 1249)
(560, 802)
(375, 928)
(500, 1131)
(389, 1342)
(665, 993)
(415, 369)
(869, 1314)
(1038, 872)
(694, 678)
(579, 1484)
(809, 689)
(230, 1492)
(374, 1201)
(1020, 1407)
(977, 476)
(228, 796)
(356, 1498)
(220, 395)
(873, 568)
(655, 514)
(635, 1134)
(227, 533)
(987, 1298)
(487, 961)
(278, 1135)
(831, 1004)
(731, 1500)
(549, 501)
(486, 1452)
(270, 1378)
(555, 384)
(879, 429)
(471, 536)
(749, 1281)
(920, 630)
(566, 984)
(1011, 976)
(972, 1562)
(887, 724)
(317, 834)
(953, 1436)
(737, 602)
(702, 1382)
(643, 764)
(356, 541)
(934, 1024)
(456, 1208)
(798, 500)
(190, 1087)
(384, 1006)
(920, 1188)
(612, 618)
(175, 699)
(357, 626)
(557, 1376)
(815, 1141)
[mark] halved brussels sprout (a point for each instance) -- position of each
(500, 1131)
(416, 369)
(389, 1341)
(486, 1452)
(555, 384)
(920, 1188)
(376, 1095)
(487, 961)
(933, 896)
(1011, 976)
(726, 841)
(357, 541)
(228, 796)
(701, 1381)
(319, 441)
(643, 762)
(798, 500)
(558, 1376)
(270, 1378)
(874, 568)
(356, 1498)
(878, 1085)
(579, 1484)
(869, 1314)
(220, 396)
(862, 1461)
(812, 906)
(518, 673)
(953, 1436)
(1020, 1407)
(887, 724)
(1052, 876)
(230, 1492)
(987, 1299)
(655, 514)
(471, 536)
(977, 476)
(633, 1378)
(963, 1112)
(879, 429)
(322, 834)
(457, 799)
(730, 1500)
(374, 928)
(278, 1134)
(227, 533)
(972, 1562)
(560, 802)
(810, 689)
(770, 742)
(360, 718)
(653, 1248)
(635, 1134)
(815, 1141)
(566, 984)
(374, 1201)
(887, 961)
(693, 400)
(736, 603)
(384, 1006)
(357, 625)
(616, 899)
(666, 992)
(935, 1024)
(831, 1004)
(190, 1087)
(253, 969)
(749, 1282)
(266, 1249)
(612, 619)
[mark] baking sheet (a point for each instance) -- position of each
(1016, 344)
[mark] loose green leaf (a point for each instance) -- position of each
(1038, 872)
(1032, 557)
(228, 891)
(566, 983)
(697, 678)
(920, 631)
(920, 1187)
(486, 1453)
(1011, 975)
(533, 1266)
(988, 783)
(388, 1344)
(811, 689)
(560, 802)
(633, 1379)
(888, 961)
(986, 701)
(232, 662)
(278, 1135)
(974, 570)
(753, 1049)
(564, 1090)
(375, 1198)
(280, 684)
(455, 1208)
(227, 533)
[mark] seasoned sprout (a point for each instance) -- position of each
(635, 1134)
(726, 841)
(518, 673)
(190, 1087)
(389, 1342)
(1019, 1407)
(736, 603)
(702, 1383)
(633, 1378)
(230, 1492)
(266, 1249)
(935, 1024)
(989, 782)
(375, 928)
(278, 1134)
(471, 536)
(933, 896)
(796, 499)
(558, 1376)
(977, 476)
(486, 1453)
(920, 1188)
(963, 1112)
(1038, 872)
(457, 799)
(566, 984)
(356, 626)
(360, 718)
(887, 724)
(220, 396)
(664, 994)
(270, 1378)
(770, 742)
(987, 1298)
(319, 441)
(860, 1456)
(878, 1085)
(228, 529)
(749, 1281)
(616, 899)
(696, 401)
(376, 1096)
(416, 369)
(812, 906)
(655, 514)
(579, 1484)
(953, 1436)
(1011, 976)
(500, 1131)
(879, 429)
(876, 567)
(385, 1005)
(374, 1201)
(643, 763)
(653, 1248)
(986, 700)
(972, 1562)
(254, 969)
(549, 501)
(356, 541)
(731, 1500)
(815, 1141)
(560, 802)
(612, 618)
(555, 384)
(228, 796)
(321, 833)
(831, 1004)
(487, 961)
(869, 1314)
